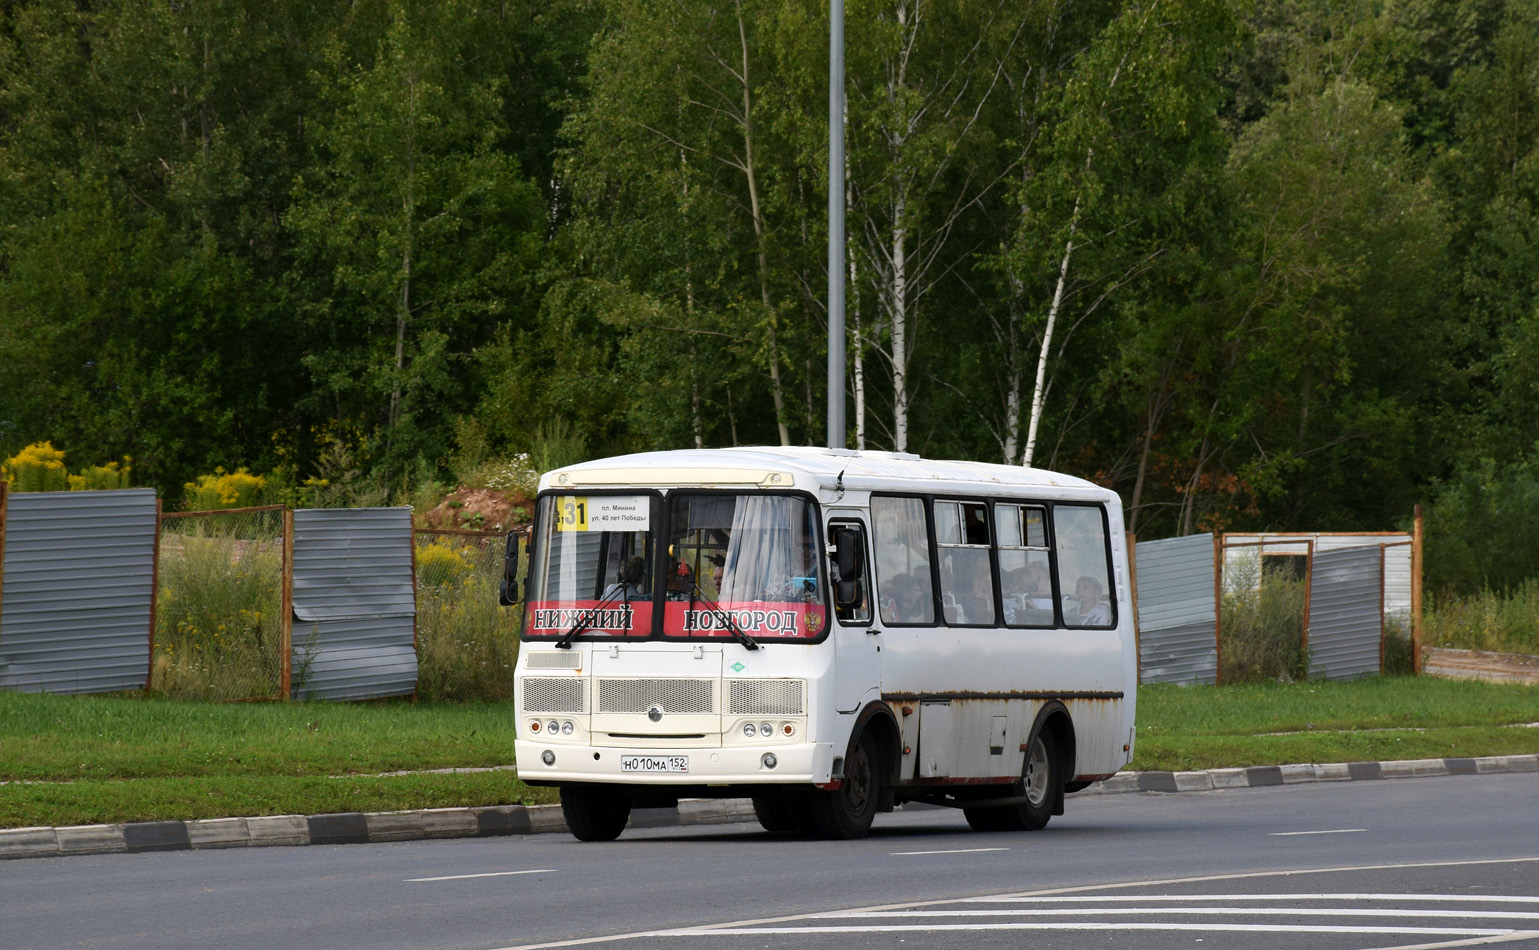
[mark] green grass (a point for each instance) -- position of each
(1380, 718)
(93, 759)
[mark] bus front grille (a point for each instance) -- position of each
(671, 696)
(553, 695)
(766, 697)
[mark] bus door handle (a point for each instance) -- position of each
(872, 631)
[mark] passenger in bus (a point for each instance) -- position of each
(681, 582)
(628, 582)
(799, 580)
(1093, 611)
(903, 601)
(718, 573)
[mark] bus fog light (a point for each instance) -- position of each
(566, 728)
(748, 729)
(769, 761)
(548, 757)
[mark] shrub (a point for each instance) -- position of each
(218, 617)
(1485, 620)
(38, 467)
(466, 643)
(1261, 627)
(237, 489)
(101, 477)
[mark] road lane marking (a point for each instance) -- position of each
(1397, 912)
(1096, 925)
(901, 854)
(1496, 936)
(463, 877)
(1155, 898)
(1336, 831)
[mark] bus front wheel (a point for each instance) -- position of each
(846, 812)
(789, 813)
(594, 813)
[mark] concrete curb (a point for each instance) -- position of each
(496, 820)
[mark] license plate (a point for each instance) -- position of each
(654, 763)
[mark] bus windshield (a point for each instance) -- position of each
(751, 559)
(592, 566)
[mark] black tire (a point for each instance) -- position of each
(594, 813)
(985, 819)
(1041, 783)
(789, 813)
(847, 811)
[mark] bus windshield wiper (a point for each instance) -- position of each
(724, 618)
(589, 618)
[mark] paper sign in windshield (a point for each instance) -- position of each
(604, 513)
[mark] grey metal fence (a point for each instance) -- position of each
(354, 612)
(1177, 610)
(1346, 612)
(78, 590)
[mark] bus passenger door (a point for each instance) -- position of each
(857, 640)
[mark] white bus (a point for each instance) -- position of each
(828, 632)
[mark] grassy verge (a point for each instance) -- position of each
(1383, 718)
(87, 760)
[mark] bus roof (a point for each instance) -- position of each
(808, 468)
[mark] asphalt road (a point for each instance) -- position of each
(1435, 862)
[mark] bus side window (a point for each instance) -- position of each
(962, 544)
(901, 538)
(1084, 570)
(1025, 574)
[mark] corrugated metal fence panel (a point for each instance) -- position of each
(353, 603)
(1397, 560)
(352, 563)
(78, 581)
(1177, 616)
(1345, 619)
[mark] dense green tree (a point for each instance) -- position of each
(416, 235)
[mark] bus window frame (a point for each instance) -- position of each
(992, 547)
(925, 500)
(1052, 559)
(1111, 568)
(1049, 508)
(655, 510)
(846, 521)
(663, 541)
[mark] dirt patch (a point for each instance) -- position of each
(479, 509)
(1477, 664)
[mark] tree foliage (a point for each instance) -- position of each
(1262, 264)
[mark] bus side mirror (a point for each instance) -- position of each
(850, 555)
(850, 560)
(507, 592)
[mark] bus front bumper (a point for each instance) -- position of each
(801, 763)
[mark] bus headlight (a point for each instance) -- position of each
(766, 730)
(748, 730)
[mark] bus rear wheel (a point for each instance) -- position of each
(594, 813)
(1040, 784)
(846, 812)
